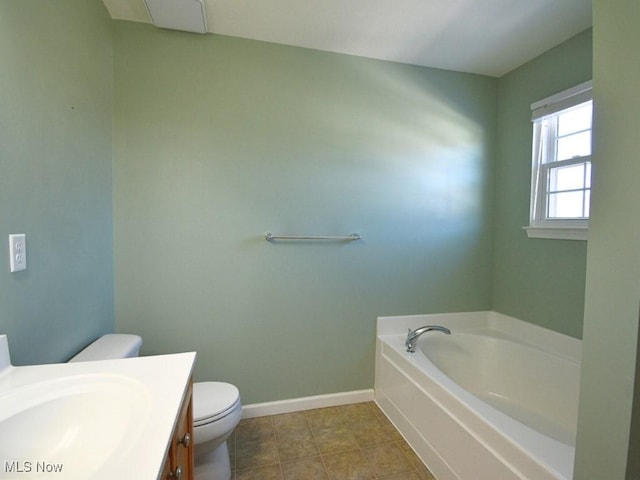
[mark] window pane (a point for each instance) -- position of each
(562, 162)
(575, 120)
(570, 177)
(576, 145)
(566, 205)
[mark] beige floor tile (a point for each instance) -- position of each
(334, 440)
(371, 433)
(322, 418)
(387, 459)
(294, 444)
(271, 472)
(358, 412)
(288, 422)
(254, 429)
(256, 453)
(403, 476)
(348, 466)
(305, 469)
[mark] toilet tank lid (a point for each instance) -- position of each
(110, 346)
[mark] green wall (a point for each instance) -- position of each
(55, 181)
(537, 280)
(218, 140)
(608, 443)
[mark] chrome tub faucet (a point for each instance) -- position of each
(412, 336)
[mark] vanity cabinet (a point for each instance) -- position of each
(178, 464)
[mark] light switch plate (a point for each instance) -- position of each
(17, 252)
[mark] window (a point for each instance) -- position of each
(561, 172)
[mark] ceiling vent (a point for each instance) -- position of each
(185, 15)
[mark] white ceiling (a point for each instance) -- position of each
(489, 37)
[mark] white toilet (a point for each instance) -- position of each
(216, 412)
(216, 407)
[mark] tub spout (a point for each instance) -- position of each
(412, 336)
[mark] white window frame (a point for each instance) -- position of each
(540, 226)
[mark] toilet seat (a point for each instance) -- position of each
(213, 401)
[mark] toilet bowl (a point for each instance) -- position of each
(216, 407)
(216, 412)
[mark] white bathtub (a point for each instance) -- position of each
(497, 399)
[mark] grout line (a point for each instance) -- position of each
(315, 442)
(275, 439)
(375, 473)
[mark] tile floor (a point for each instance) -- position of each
(350, 442)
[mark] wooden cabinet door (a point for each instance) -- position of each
(179, 462)
(183, 439)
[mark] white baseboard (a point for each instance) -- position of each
(306, 403)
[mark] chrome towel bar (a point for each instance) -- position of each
(269, 237)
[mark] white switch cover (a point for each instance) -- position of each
(17, 252)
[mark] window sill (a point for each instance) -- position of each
(558, 233)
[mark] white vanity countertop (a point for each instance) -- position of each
(137, 402)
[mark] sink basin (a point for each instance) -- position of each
(71, 425)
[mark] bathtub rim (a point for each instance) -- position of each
(508, 327)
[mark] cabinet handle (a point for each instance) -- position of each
(185, 441)
(177, 475)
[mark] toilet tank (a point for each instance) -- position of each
(110, 346)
